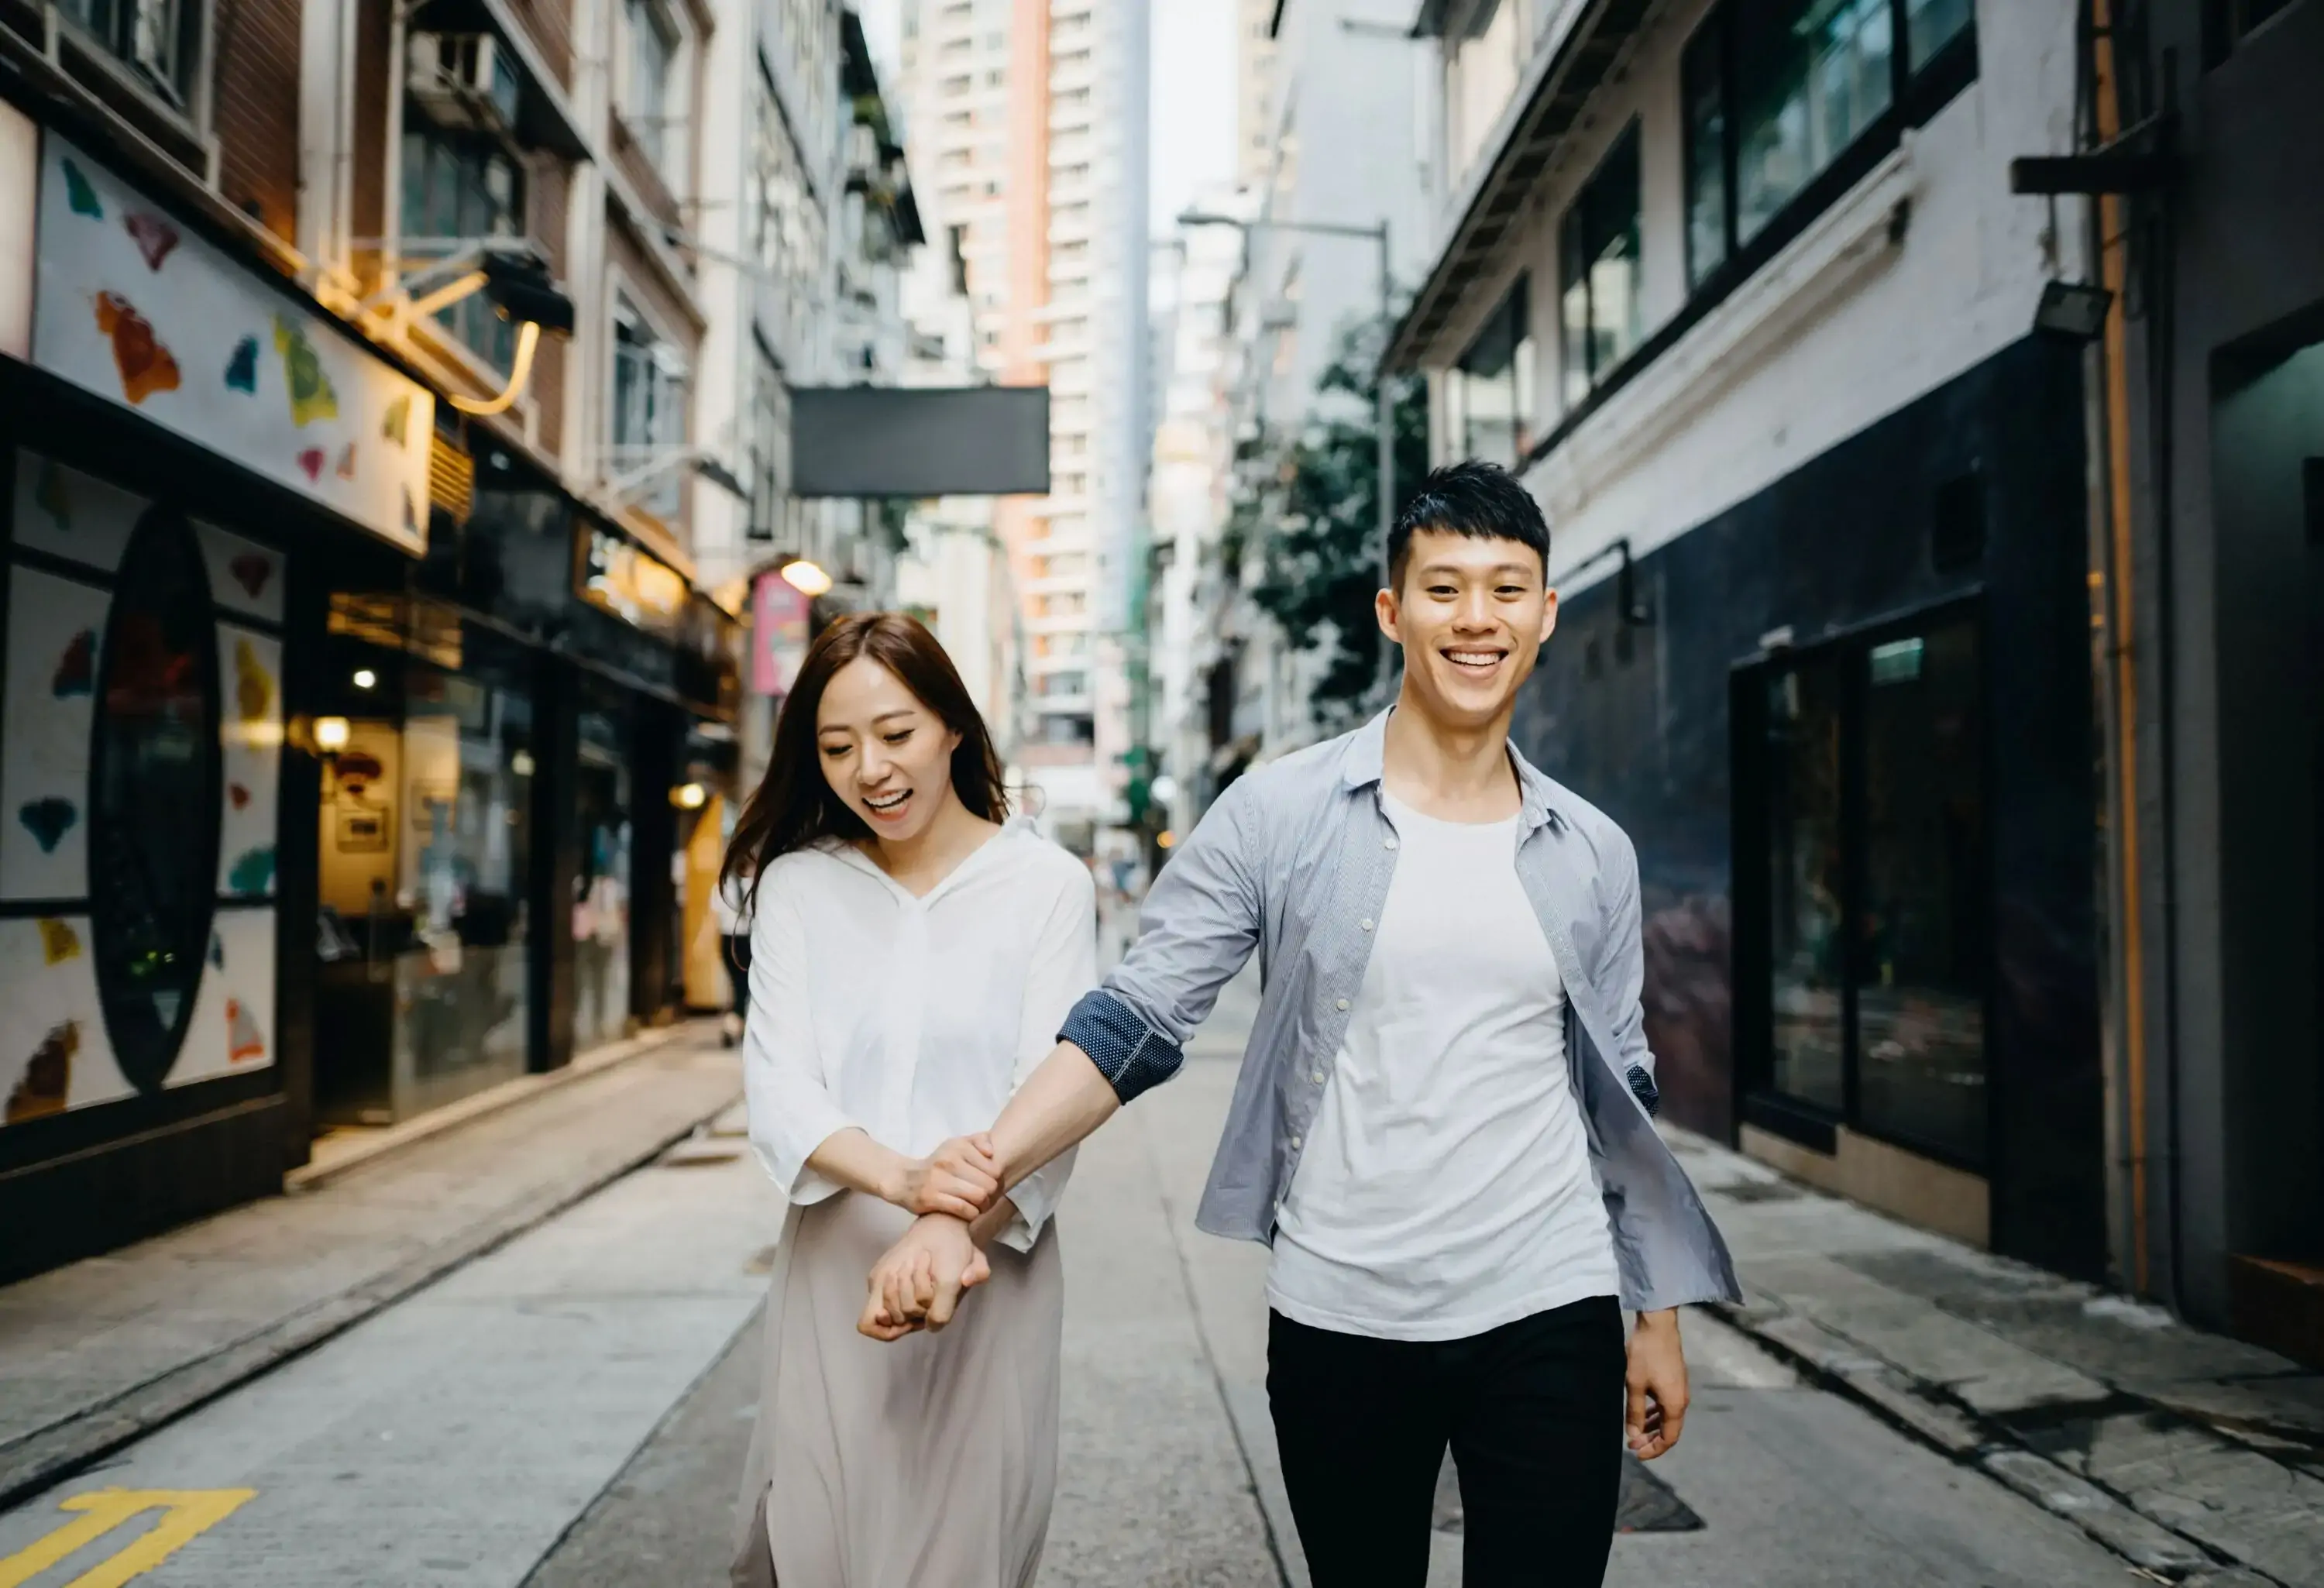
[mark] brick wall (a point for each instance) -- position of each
(551, 188)
(550, 24)
(256, 116)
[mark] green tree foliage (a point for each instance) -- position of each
(1321, 558)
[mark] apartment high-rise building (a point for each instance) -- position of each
(1030, 120)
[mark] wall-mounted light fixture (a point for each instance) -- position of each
(364, 679)
(513, 274)
(2074, 311)
(330, 734)
(689, 796)
(1636, 613)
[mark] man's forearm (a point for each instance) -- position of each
(1058, 1105)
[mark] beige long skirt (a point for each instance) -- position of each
(928, 1462)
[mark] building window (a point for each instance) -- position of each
(1063, 565)
(771, 454)
(161, 39)
(1062, 603)
(1061, 684)
(649, 106)
(456, 190)
(648, 406)
(1598, 246)
(1869, 953)
(1776, 91)
(1490, 392)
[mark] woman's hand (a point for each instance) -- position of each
(960, 1179)
(918, 1283)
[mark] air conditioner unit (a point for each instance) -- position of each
(463, 81)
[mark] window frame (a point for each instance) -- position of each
(675, 377)
(1626, 144)
(1757, 1100)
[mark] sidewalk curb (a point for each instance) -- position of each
(314, 1175)
(45, 1458)
(1927, 1414)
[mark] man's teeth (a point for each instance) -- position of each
(1476, 659)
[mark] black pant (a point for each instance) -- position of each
(1533, 1411)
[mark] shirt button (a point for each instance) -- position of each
(1295, 1143)
(1317, 1077)
(1342, 1004)
(1387, 843)
(1367, 924)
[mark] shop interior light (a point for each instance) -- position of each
(1165, 840)
(366, 679)
(689, 796)
(807, 578)
(330, 734)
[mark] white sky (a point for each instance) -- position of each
(1192, 105)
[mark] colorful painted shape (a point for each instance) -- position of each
(145, 365)
(253, 871)
(154, 236)
(311, 460)
(79, 193)
(244, 1040)
(311, 395)
(398, 423)
(252, 571)
(76, 671)
(47, 1081)
(58, 941)
(253, 686)
(48, 820)
(242, 369)
(53, 497)
(238, 796)
(347, 462)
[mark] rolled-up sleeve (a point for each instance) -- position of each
(1065, 966)
(1622, 974)
(792, 1103)
(1199, 926)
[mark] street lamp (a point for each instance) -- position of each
(1383, 420)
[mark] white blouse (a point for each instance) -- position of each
(913, 1019)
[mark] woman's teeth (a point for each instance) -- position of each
(888, 802)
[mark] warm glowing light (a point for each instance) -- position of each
(1165, 840)
(527, 337)
(520, 764)
(807, 578)
(689, 796)
(366, 679)
(330, 734)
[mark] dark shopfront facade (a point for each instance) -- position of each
(218, 934)
(1863, 813)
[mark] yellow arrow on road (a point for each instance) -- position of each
(186, 1514)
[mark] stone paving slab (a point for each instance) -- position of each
(2195, 1457)
(105, 1350)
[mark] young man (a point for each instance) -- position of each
(1441, 1126)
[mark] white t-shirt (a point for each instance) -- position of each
(1446, 1188)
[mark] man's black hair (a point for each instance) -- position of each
(1482, 501)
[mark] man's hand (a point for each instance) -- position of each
(1656, 1381)
(918, 1282)
(961, 1178)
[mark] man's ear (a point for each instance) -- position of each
(1549, 617)
(1385, 610)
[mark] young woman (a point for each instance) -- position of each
(911, 960)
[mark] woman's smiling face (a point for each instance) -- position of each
(884, 752)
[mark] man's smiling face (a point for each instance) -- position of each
(1472, 614)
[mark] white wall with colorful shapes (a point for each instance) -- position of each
(68, 534)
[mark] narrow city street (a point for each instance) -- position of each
(571, 1408)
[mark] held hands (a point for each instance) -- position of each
(1656, 1385)
(961, 1178)
(920, 1281)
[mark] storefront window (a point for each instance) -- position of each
(601, 878)
(1806, 943)
(426, 837)
(153, 776)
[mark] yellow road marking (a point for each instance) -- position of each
(187, 1513)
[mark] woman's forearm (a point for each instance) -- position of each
(853, 1160)
(991, 1222)
(1058, 1105)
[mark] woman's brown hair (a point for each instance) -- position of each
(795, 807)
